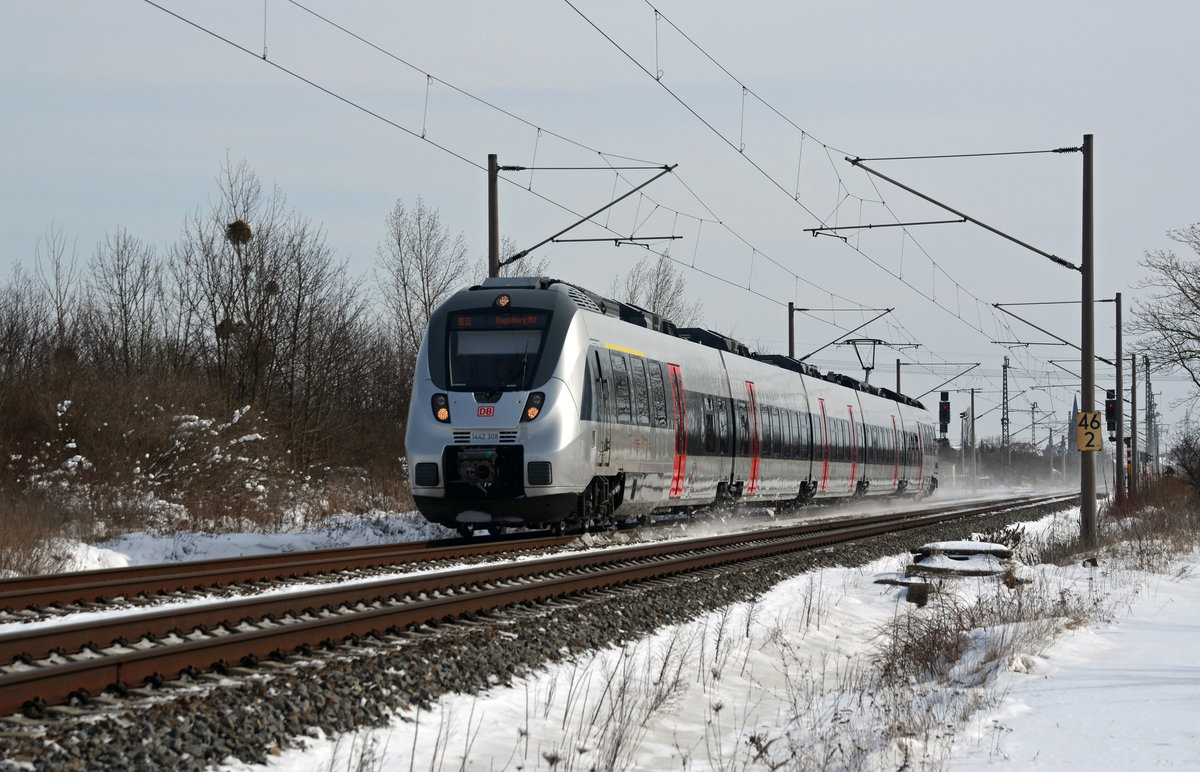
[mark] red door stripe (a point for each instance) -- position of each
(679, 471)
(895, 455)
(920, 458)
(755, 438)
(853, 449)
(824, 446)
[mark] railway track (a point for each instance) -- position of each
(53, 664)
(87, 588)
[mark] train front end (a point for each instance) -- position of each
(493, 437)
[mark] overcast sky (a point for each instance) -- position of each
(120, 115)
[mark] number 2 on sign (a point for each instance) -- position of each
(1087, 432)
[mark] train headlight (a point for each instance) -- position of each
(533, 406)
(441, 408)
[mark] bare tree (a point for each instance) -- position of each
(229, 274)
(58, 273)
(659, 287)
(26, 326)
(1169, 320)
(123, 304)
(267, 309)
(419, 265)
(1185, 452)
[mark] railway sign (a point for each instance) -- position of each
(1088, 436)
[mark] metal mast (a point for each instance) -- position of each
(1005, 440)
(1151, 419)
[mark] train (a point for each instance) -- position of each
(539, 404)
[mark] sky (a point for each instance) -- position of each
(1115, 693)
(121, 115)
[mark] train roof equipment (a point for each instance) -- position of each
(641, 317)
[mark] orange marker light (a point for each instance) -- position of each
(533, 405)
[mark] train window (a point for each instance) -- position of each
(495, 351)
(710, 434)
(658, 394)
(621, 387)
(641, 403)
(764, 431)
(722, 427)
(585, 404)
(743, 430)
(776, 435)
(802, 421)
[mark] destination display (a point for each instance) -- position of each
(523, 320)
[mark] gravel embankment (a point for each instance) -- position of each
(250, 715)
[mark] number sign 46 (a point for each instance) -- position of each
(1088, 428)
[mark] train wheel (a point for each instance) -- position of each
(466, 531)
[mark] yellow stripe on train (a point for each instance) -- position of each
(633, 351)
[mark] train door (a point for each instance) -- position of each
(679, 406)
(853, 448)
(920, 458)
(755, 437)
(725, 437)
(824, 446)
(603, 432)
(895, 455)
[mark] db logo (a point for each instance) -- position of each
(487, 411)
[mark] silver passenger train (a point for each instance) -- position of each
(537, 403)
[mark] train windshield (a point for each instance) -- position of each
(495, 350)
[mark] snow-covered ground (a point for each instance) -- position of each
(791, 680)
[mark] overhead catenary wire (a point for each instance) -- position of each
(604, 155)
(422, 135)
(740, 148)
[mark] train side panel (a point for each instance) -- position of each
(536, 404)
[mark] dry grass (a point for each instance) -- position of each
(92, 457)
(29, 527)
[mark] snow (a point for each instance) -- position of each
(1118, 696)
(789, 680)
(346, 530)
